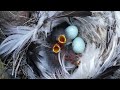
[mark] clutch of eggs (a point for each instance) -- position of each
(78, 44)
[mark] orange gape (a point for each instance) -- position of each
(61, 41)
(56, 48)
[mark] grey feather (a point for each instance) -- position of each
(47, 63)
(15, 41)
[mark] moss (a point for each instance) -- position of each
(1, 65)
(3, 75)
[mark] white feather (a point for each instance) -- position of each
(94, 61)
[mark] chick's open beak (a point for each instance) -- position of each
(62, 39)
(56, 48)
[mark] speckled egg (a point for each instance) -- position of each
(78, 45)
(71, 32)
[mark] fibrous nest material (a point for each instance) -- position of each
(27, 39)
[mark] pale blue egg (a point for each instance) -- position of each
(71, 32)
(78, 45)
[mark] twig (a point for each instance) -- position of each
(18, 65)
(28, 21)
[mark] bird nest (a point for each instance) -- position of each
(27, 48)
